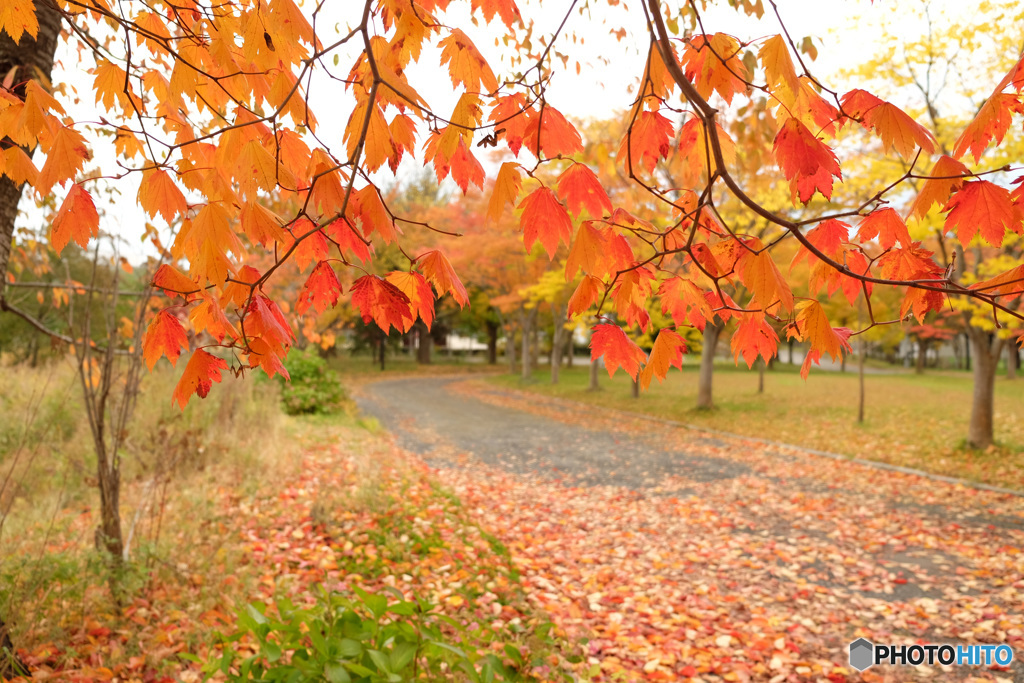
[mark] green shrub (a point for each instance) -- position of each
(363, 640)
(314, 387)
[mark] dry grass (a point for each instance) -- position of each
(911, 420)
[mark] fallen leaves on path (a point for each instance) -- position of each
(765, 576)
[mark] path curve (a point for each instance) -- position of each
(874, 553)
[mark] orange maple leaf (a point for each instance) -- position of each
(421, 297)
(159, 195)
(585, 295)
(173, 281)
(439, 271)
(466, 65)
(580, 188)
(465, 168)
(667, 353)
(646, 141)
(381, 302)
(619, 351)
(587, 252)
(754, 337)
(885, 224)
(545, 219)
(893, 126)
(202, 370)
(685, 302)
(17, 18)
(76, 219)
(982, 206)
(506, 190)
(946, 175)
(321, 290)
(713, 64)
(164, 336)
(807, 162)
(989, 124)
(555, 137)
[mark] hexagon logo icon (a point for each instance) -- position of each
(862, 654)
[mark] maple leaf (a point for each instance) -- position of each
(261, 225)
(887, 225)
(466, 65)
(506, 190)
(421, 297)
(580, 188)
(312, 245)
(667, 353)
(159, 195)
(265, 321)
(439, 271)
(164, 336)
(807, 162)
(348, 240)
(946, 175)
(646, 141)
(173, 281)
(545, 219)
(1010, 283)
(910, 263)
(369, 209)
(828, 236)
(713, 64)
(685, 302)
(506, 9)
(619, 351)
(18, 18)
(381, 302)
(587, 252)
(209, 317)
(556, 137)
(466, 169)
(321, 290)
(511, 113)
(989, 124)
(761, 276)
(76, 219)
(894, 127)
(585, 295)
(65, 157)
(754, 337)
(778, 65)
(816, 329)
(202, 370)
(981, 206)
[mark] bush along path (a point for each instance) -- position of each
(680, 555)
(356, 567)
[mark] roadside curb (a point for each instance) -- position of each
(796, 449)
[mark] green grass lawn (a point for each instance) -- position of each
(912, 420)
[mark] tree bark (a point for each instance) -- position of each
(707, 365)
(1012, 360)
(760, 376)
(595, 377)
(922, 353)
(424, 342)
(31, 59)
(525, 323)
(492, 342)
(557, 342)
(987, 348)
(791, 343)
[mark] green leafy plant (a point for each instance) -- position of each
(360, 638)
(314, 387)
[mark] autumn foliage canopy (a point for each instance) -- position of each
(213, 107)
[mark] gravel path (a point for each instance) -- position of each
(907, 557)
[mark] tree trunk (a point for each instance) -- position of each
(595, 369)
(791, 343)
(967, 350)
(1012, 359)
(557, 341)
(922, 351)
(707, 364)
(31, 59)
(382, 341)
(980, 432)
(534, 340)
(760, 376)
(424, 342)
(635, 389)
(527, 369)
(492, 342)
(860, 380)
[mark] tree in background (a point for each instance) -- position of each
(212, 108)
